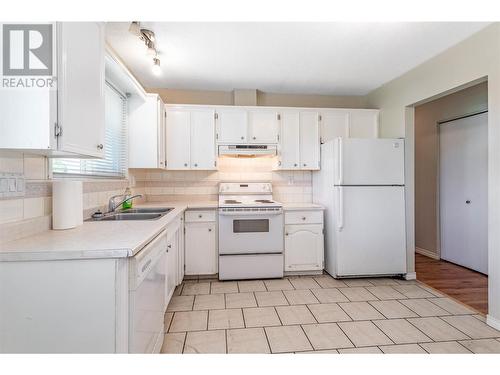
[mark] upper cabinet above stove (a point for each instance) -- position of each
(244, 125)
(263, 126)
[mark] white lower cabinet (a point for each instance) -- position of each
(109, 305)
(175, 257)
(304, 243)
(200, 243)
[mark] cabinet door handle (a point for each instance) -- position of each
(254, 138)
(200, 216)
(195, 164)
(295, 165)
(303, 218)
(305, 165)
(209, 229)
(242, 137)
(286, 234)
(100, 146)
(185, 164)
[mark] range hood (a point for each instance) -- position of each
(248, 151)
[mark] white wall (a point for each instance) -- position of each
(469, 61)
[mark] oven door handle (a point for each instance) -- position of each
(250, 213)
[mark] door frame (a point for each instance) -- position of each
(438, 171)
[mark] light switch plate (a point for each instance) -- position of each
(4, 185)
(12, 185)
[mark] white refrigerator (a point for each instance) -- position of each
(361, 186)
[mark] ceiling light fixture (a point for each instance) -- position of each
(149, 38)
(135, 28)
(151, 48)
(156, 66)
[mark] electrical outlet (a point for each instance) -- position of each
(4, 185)
(12, 185)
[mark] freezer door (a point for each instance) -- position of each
(364, 161)
(370, 230)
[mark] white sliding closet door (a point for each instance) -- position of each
(464, 191)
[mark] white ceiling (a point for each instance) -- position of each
(308, 58)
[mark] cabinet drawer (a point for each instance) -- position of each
(200, 216)
(304, 217)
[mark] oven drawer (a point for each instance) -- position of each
(254, 266)
(304, 217)
(194, 216)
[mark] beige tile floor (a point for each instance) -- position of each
(318, 314)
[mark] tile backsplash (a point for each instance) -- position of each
(30, 214)
(24, 216)
(288, 186)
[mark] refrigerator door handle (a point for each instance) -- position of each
(340, 163)
(340, 211)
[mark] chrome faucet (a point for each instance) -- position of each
(112, 206)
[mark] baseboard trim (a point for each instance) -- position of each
(410, 276)
(493, 322)
(427, 253)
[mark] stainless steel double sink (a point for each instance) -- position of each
(145, 213)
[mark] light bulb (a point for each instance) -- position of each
(156, 66)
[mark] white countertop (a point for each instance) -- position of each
(302, 206)
(105, 239)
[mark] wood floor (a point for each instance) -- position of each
(461, 283)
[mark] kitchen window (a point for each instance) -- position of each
(114, 164)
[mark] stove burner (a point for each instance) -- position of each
(263, 201)
(232, 201)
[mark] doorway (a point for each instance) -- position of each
(463, 191)
(451, 194)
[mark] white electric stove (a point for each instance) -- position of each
(250, 232)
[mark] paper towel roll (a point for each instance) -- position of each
(67, 204)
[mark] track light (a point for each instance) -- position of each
(156, 66)
(135, 28)
(148, 37)
(151, 48)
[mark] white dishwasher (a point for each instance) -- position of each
(147, 296)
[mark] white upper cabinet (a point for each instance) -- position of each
(190, 138)
(243, 125)
(363, 123)
(67, 119)
(146, 131)
(309, 140)
(232, 125)
(289, 142)
(178, 139)
(202, 139)
(263, 126)
(299, 142)
(353, 123)
(81, 88)
(334, 124)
